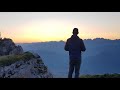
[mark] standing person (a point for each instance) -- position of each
(74, 45)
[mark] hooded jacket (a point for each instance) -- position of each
(74, 45)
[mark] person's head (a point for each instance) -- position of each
(75, 31)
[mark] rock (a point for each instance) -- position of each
(28, 65)
(7, 46)
(25, 70)
(17, 50)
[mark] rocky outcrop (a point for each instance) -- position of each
(17, 50)
(15, 63)
(31, 67)
(7, 46)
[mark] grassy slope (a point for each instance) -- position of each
(9, 59)
(115, 75)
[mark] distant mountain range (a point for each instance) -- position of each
(102, 56)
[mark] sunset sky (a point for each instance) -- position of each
(56, 26)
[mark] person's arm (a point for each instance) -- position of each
(83, 48)
(66, 46)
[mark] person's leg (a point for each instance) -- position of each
(77, 68)
(71, 68)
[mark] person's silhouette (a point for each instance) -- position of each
(74, 45)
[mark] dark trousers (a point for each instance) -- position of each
(74, 65)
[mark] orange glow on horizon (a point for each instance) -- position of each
(29, 38)
(83, 36)
(52, 30)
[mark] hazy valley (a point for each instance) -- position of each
(102, 56)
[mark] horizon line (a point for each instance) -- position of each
(65, 40)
